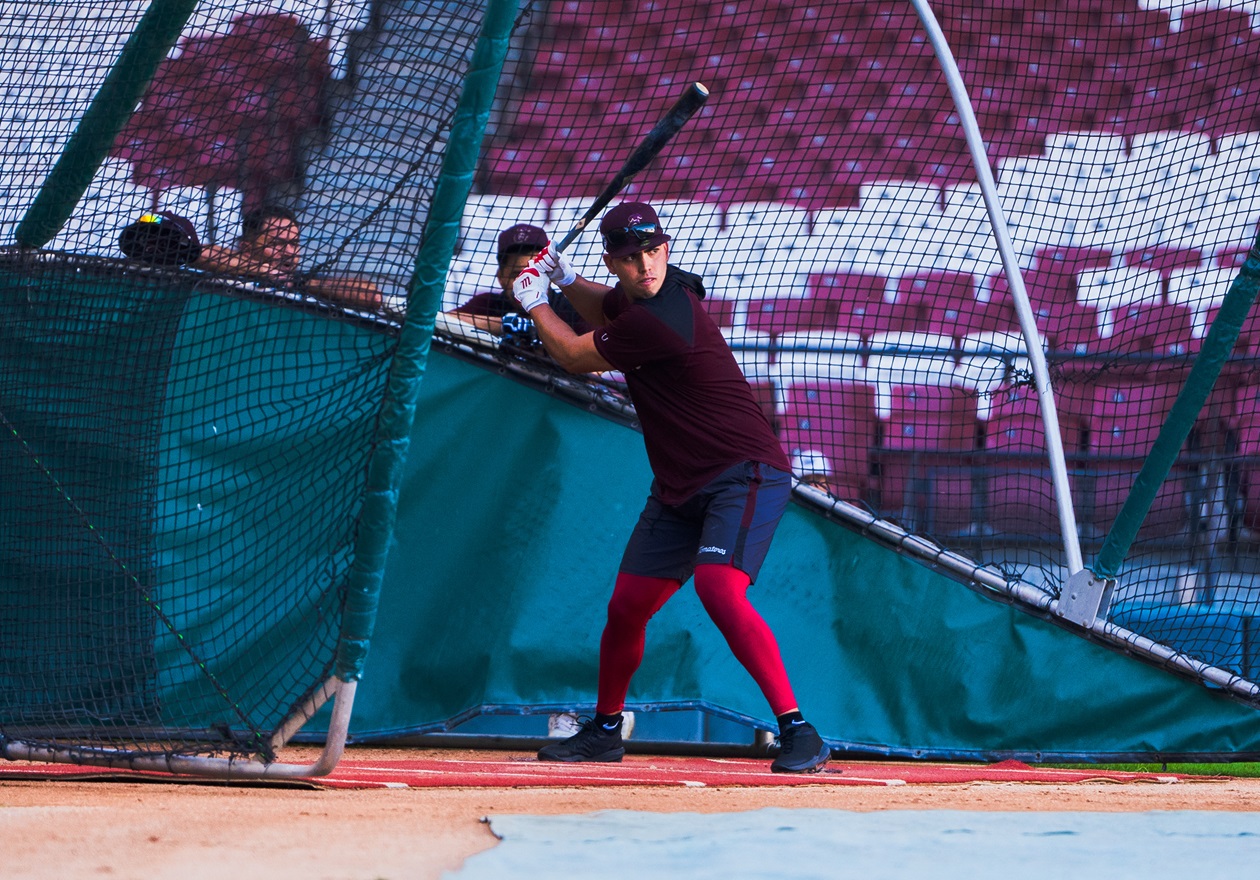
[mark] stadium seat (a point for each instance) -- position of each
(938, 294)
(1154, 329)
(924, 463)
(1169, 151)
(1123, 421)
(1201, 290)
(1089, 148)
(765, 221)
(1068, 327)
(1164, 260)
(906, 199)
(860, 303)
(1018, 489)
(776, 315)
(1109, 289)
(485, 216)
(837, 420)
(1230, 257)
(1071, 261)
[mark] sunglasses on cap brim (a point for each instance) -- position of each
(640, 232)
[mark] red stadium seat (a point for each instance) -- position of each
(932, 288)
(959, 319)
(924, 479)
(858, 304)
(1123, 421)
(1018, 489)
(1157, 329)
(836, 420)
(1231, 257)
(1164, 260)
(1068, 327)
(776, 315)
(1072, 260)
(1205, 30)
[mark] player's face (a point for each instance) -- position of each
(642, 274)
(278, 243)
(513, 265)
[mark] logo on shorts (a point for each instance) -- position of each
(720, 551)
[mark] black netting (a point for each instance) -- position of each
(827, 195)
(190, 387)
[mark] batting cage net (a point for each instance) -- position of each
(829, 197)
(211, 217)
(214, 210)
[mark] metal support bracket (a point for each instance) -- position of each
(1085, 598)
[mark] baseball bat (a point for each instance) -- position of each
(684, 108)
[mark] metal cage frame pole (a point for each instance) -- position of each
(1010, 263)
(226, 768)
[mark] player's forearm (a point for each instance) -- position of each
(481, 322)
(226, 260)
(351, 291)
(574, 353)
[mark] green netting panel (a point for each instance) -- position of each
(183, 469)
(188, 436)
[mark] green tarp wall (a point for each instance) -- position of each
(182, 473)
(511, 521)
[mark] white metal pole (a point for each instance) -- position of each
(1023, 308)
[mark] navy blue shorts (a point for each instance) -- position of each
(728, 522)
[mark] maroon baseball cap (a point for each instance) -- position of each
(631, 227)
(521, 239)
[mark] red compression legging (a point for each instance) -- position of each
(724, 592)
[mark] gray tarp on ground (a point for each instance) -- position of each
(940, 844)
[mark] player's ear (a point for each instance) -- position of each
(608, 264)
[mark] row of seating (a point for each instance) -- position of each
(924, 454)
(818, 101)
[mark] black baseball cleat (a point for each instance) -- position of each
(801, 750)
(592, 743)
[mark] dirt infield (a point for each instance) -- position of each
(192, 831)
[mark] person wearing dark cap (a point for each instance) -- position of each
(161, 238)
(485, 311)
(269, 249)
(721, 479)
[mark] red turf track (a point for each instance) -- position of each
(518, 772)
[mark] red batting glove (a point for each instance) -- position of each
(555, 266)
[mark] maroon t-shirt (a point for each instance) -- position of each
(698, 413)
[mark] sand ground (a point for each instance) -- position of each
(159, 830)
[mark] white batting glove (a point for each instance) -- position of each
(555, 266)
(530, 289)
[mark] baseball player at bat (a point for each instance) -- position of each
(721, 478)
